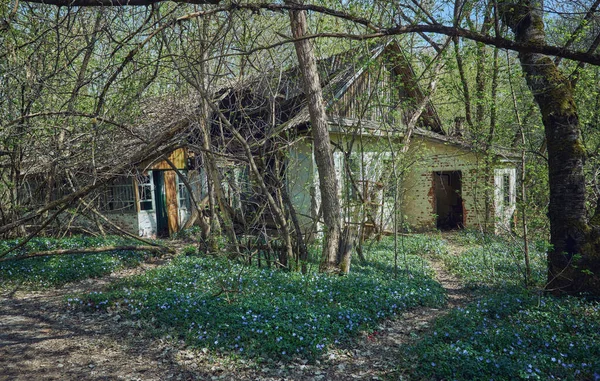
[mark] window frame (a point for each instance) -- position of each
(119, 197)
(145, 189)
(183, 202)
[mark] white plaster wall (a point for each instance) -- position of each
(370, 165)
(417, 203)
(147, 223)
(301, 176)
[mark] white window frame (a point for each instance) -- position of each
(182, 202)
(140, 186)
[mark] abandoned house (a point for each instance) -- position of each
(436, 181)
(152, 203)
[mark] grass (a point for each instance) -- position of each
(509, 332)
(493, 262)
(55, 271)
(247, 311)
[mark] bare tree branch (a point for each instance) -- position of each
(116, 3)
(377, 31)
(588, 16)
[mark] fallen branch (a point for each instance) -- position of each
(155, 149)
(35, 232)
(90, 250)
(105, 219)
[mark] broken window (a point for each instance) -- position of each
(119, 196)
(145, 191)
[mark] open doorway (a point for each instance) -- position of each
(448, 202)
(160, 197)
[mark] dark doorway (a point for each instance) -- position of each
(448, 202)
(160, 198)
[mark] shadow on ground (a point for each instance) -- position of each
(41, 340)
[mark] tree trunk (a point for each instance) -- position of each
(574, 261)
(322, 146)
(463, 80)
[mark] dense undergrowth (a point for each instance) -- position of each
(509, 332)
(495, 262)
(248, 311)
(57, 270)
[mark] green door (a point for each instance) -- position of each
(162, 222)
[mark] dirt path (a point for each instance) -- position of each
(41, 340)
(376, 356)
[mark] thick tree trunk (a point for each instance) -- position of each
(573, 262)
(322, 146)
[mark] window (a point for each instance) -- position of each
(183, 196)
(145, 188)
(506, 189)
(119, 196)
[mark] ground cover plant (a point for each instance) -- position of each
(510, 332)
(262, 312)
(57, 270)
(493, 261)
(513, 335)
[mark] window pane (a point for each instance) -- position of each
(145, 205)
(119, 197)
(145, 192)
(183, 196)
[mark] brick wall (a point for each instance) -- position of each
(419, 197)
(417, 188)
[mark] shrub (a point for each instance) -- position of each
(497, 263)
(189, 250)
